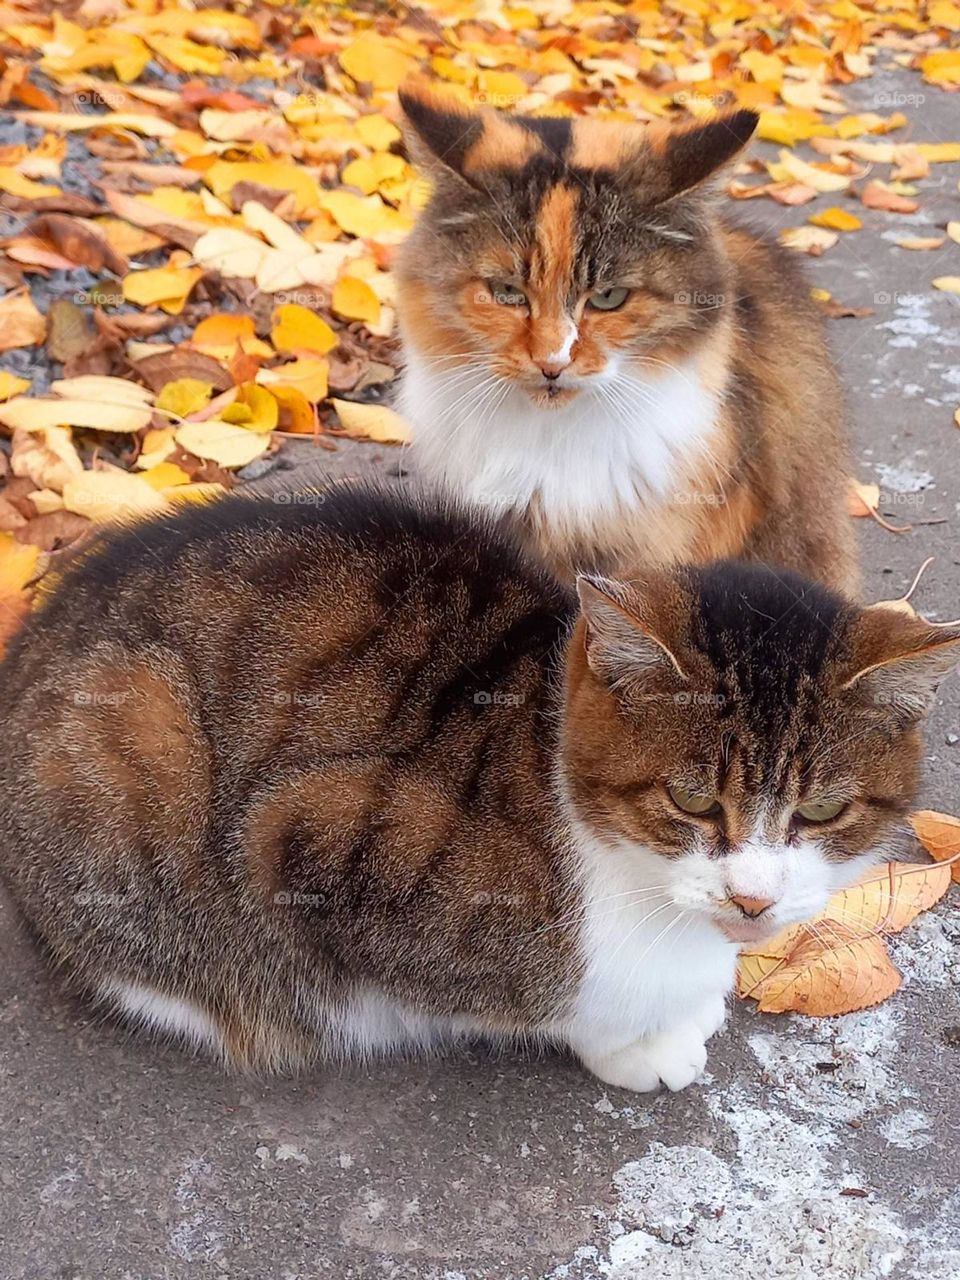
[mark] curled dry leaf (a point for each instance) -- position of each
(837, 962)
(862, 499)
(939, 833)
(21, 324)
(812, 240)
(47, 456)
(822, 978)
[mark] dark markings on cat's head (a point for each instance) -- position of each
(753, 687)
(559, 210)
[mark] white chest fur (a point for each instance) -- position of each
(614, 449)
(655, 978)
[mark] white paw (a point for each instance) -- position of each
(711, 1016)
(674, 1058)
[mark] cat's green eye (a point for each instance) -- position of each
(821, 810)
(609, 300)
(694, 802)
(507, 294)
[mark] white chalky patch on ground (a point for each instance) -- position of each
(928, 952)
(909, 1129)
(776, 1210)
(903, 477)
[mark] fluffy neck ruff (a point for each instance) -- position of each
(601, 456)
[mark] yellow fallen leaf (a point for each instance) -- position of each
(812, 240)
(253, 408)
(365, 216)
(165, 475)
(104, 496)
(281, 175)
(15, 184)
(372, 60)
(158, 444)
(939, 833)
(168, 287)
(48, 457)
(221, 442)
(940, 152)
(354, 300)
(102, 390)
(220, 334)
(809, 174)
(296, 328)
(179, 495)
(46, 500)
(72, 122)
(26, 413)
(184, 396)
(11, 385)
(18, 567)
(21, 324)
(306, 375)
(372, 422)
(862, 499)
(953, 231)
(234, 253)
(949, 284)
(377, 132)
(835, 219)
(273, 228)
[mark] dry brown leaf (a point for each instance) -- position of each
(21, 324)
(877, 196)
(821, 978)
(46, 456)
(939, 833)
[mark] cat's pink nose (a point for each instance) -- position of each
(751, 907)
(553, 370)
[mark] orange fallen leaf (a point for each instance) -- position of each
(18, 566)
(939, 833)
(876, 195)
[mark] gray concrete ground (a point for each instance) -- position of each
(812, 1149)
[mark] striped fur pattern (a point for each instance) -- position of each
(697, 419)
(293, 782)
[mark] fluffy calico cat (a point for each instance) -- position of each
(590, 348)
(296, 783)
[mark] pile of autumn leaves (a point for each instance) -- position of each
(262, 225)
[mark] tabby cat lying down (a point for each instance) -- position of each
(295, 783)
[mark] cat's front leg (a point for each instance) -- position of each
(674, 1057)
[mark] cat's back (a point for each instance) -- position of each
(240, 569)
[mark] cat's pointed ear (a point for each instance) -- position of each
(680, 158)
(623, 641)
(440, 129)
(898, 662)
